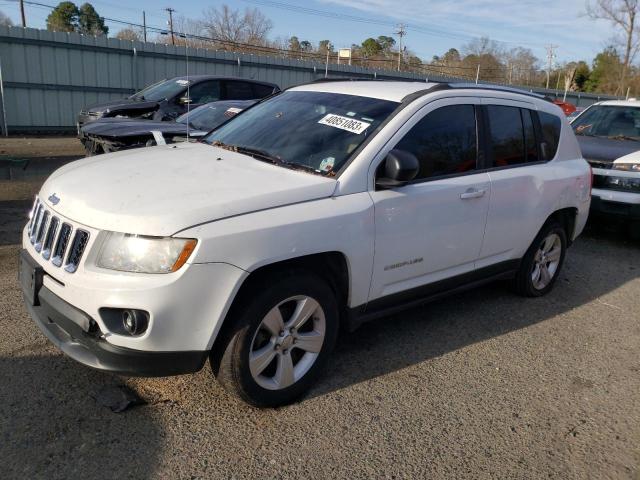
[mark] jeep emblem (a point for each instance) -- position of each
(54, 199)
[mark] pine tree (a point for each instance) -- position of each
(63, 18)
(89, 22)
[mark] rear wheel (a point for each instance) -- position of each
(283, 332)
(541, 264)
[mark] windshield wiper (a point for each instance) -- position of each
(265, 157)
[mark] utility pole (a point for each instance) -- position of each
(401, 32)
(144, 25)
(24, 20)
(550, 56)
(171, 10)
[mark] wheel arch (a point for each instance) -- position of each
(567, 218)
(331, 266)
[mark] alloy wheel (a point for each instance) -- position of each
(546, 261)
(287, 342)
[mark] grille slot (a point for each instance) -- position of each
(48, 239)
(78, 245)
(37, 216)
(33, 216)
(42, 229)
(61, 244)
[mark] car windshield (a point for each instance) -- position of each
(209, 116)
(314, 131)
(162, 90)
(609, 121)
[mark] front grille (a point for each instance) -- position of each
(54, 240)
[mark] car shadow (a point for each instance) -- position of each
(52, 427)
(599, 262)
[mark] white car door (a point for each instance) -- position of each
(431, 228)
(523, 187)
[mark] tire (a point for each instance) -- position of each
(261, 360)
(531, 281)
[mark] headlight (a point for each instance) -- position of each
(136, 253)
(623, 183)
(628, 167)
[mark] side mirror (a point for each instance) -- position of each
(184, 100)
(400, 167)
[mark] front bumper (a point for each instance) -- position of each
(615, 204)
(79, 336)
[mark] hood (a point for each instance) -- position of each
(161, 190)
(124, 127)
(633, 158)
(122, 104)
(605, 150)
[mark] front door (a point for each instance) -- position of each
(432, 228)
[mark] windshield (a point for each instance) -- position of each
(609, 121)
(162, 90)
(312, 130)
(207, 117)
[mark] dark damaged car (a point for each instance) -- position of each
(609, 137)
(114, 134)
(168, 99)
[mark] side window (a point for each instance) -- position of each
(444, 141)
(205, 92)
(531, 148)
(550, 125)
(239, 91)
(261, 91)
(507, 135)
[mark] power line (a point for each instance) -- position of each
(423, 67)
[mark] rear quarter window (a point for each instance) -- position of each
(550, 126)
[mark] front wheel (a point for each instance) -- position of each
(284, 330)
(541, 264)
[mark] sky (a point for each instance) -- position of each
(434, 26)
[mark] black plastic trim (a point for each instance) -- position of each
(415, 297)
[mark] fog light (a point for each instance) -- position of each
(134, 322)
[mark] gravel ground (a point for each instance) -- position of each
(483, 385)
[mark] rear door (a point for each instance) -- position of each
(522, 182)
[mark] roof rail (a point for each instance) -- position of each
(497, 88)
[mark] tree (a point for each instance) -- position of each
(623, 15)
(233, 26)
(520, 62)
(581, 76)
(370, 48)
(63, 18)
(306, 46)
(5, 21)
(386, 43)
(89, 22)
(294, 44)
(605, 74)
(129, 34)
(257, 26)
(324, 46)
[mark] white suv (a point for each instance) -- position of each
(321, 207)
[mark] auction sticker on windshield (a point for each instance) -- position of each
(344, 123)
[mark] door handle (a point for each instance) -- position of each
(473, 193)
